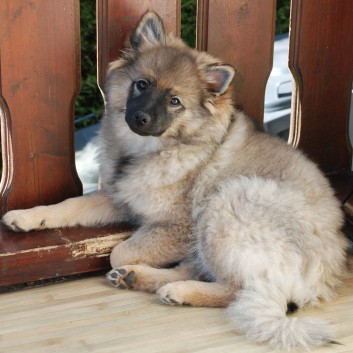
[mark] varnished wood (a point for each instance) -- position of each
(343, 186)
(321, 59)
(39, 55)
(26, 257)
(241, 32)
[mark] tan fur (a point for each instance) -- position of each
(196, 293)
(147, 278)
(85, 210)
(250, 218)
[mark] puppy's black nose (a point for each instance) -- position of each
(142, 119)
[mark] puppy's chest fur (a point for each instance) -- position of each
(155, 186)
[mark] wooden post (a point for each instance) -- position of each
(40, 66)
(321, 60)
(241, 32)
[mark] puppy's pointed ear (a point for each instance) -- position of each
(218, 78)
(149, 31)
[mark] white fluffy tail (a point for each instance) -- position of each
(263, 319)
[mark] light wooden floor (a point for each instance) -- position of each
(87, 315)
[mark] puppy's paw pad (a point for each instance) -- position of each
(121, 278)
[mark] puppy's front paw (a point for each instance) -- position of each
(24, 220)
(121, 278)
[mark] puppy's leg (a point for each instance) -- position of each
(146, 278)
(156, 246)
(86, 210)
(196, 293)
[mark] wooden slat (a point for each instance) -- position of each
(321, 59)
(241, 32)
(115, 19)
(39, 58)
(343, 185)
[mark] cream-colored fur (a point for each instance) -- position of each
(253, 223)
(88, 210)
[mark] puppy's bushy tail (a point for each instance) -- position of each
(261, 316)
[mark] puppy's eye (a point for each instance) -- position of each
(142, 85)
(175, 102)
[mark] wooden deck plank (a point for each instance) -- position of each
(87, 315)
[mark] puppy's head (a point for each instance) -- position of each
(172, 88)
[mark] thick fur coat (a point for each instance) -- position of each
(251, 223)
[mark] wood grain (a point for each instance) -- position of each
(241, 32)
(39, 83)
(26, 257)
(321, 59)
(88, 315)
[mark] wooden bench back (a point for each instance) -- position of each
(40, 79)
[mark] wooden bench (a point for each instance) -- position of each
(40, 80)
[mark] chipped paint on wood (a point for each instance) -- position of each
(100, 246)
(56, 252)
(97, 246)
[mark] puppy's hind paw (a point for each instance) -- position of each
(121, 278)
(169, 294)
